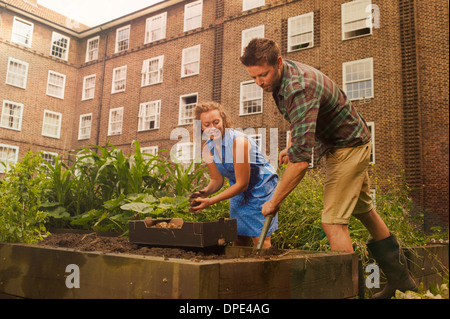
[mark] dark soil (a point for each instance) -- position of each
(94, 242)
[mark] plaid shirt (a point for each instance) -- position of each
(320, 114)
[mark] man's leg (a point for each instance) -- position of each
(338, 237)
(374, 224)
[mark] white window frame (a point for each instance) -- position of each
(63, 53)
(12, 74)
(251, 4)
(22, 32)
(152, 150)
(8, 159)
(46, 124)
(117, 85)
(187, 60)
(244, 98)
(155, 28)
(89, 87)
(358, 76)
(123, 44)
(58, 87)
(9, 116)
(371, 126)
(193, 19)
(49, 157)
(305, 30)
(257, 138)
(145, 119)
(92, 48)
(250, 34)
(356, 17)
(112, 130)
(85, 126)
(183, 119)
(151, 76)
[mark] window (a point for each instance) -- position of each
(88, 87)
(251, 4)
(92, 49)
(358, 79)
(149, 115)
(49, 157)
(257, 138)
(250, 34)
(84, 129)
(22, 32)
(190, 61)
(115, 121)
(17, 73)
(122, 39)
(356, 19)
(52, 124)
(11, 117)
(185, 152)
(8, 156)
(152, 150)
(55, 84)
(152, 71)
(155, 28)
(301, 32)
(251, 98)
(187, 105)
(119, 79)
(371, 126)
(193, 15)
(60, 46)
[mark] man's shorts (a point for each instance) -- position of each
(346, 185)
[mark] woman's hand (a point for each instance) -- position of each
(199, 204)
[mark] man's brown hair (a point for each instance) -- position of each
(259, 51)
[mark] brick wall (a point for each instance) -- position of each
(410, 64)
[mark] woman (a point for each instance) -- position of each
(231, 154)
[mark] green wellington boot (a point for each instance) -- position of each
(393, 263)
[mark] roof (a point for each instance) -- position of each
(34, 8)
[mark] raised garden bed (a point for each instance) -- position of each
(130, 271)
(112, 267)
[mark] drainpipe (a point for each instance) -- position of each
(101, 89)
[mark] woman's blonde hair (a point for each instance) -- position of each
(210, 106)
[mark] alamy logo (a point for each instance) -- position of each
(73, 279)
(373, 277)
(373, 19)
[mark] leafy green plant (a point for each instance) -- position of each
(22, 191)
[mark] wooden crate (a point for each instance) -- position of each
(187, 234)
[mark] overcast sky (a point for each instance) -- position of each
(96, 12)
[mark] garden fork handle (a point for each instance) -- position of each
(264, 231)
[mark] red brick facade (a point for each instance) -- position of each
(408, 47)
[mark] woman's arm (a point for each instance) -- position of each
(241, 157)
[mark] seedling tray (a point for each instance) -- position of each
(175, 232)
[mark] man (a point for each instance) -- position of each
(321, 116)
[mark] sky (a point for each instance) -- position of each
(96, 12)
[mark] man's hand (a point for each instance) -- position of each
(270, 209)
(283, 158)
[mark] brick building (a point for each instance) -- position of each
(67, 86)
